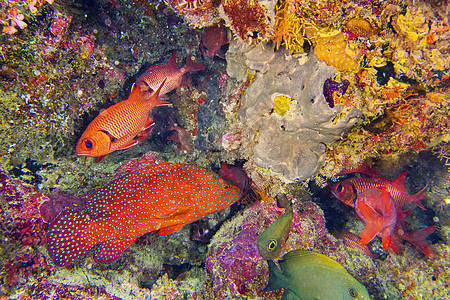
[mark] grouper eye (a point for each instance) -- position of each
(353, 293)
(88, 144)
(272, 245)
(339, 188)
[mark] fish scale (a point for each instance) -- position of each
(163, 197)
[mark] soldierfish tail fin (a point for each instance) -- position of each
(110, 250)
(277, 279)
(404, 197)
(192, 66)
(69, 237)
(417, 238)
(415, 199)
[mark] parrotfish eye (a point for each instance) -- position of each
(339, 188)
(88, 144)
(353, 293)
(272, 245)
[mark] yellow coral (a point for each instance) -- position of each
(333, 51)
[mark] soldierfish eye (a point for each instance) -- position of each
(272, 245)
(353, 293)
(88, 144)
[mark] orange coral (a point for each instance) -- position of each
(199, 13)
(248, 19)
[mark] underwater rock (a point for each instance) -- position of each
(211, 122)
(286, 110)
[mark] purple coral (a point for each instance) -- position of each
(330, 86)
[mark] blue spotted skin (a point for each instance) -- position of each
(162, 197)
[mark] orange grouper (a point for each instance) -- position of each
(120, 126)
(162, 197)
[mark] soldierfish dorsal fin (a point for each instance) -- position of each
(140, 93)
(399, 182)
(173, 60)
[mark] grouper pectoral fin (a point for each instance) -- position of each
(277, 280)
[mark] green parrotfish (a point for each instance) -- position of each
(308, 275)
(272, 239)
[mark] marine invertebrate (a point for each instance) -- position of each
(198, 13)
(335, 52)
(251, 21)
(360, 27)
(290, 28)
(330, 87)
(287, 135)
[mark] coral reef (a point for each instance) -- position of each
(285, 109)
(251, 20)
(308, 89)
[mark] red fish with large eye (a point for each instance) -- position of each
(153, 77)
(348, 189)
(120, 126)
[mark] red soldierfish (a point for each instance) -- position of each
(162, 197)
(120, 126)
(153, 77)
(348, 189)
(376, 208)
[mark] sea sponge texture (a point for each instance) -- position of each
(285, 112)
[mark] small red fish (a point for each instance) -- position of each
(120, 126)
(348, 189)
(181, 136)
(213, 38)
(153, 77)
(236, 176)
(353, 243)
(376, 208)
(162, 197)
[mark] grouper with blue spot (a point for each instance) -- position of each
(307, 275)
